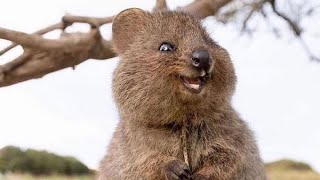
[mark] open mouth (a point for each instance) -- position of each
(194, 84)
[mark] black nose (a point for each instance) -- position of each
(201, 60)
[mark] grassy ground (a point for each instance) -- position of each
(273, 175)
(291, 170)
(29, 177)
(280, 170)
(293, 175)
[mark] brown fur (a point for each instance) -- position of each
(154, 105)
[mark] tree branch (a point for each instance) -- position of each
(43, 56)
(94, 22)
(297, 30)
(205, 8)
(29, 40)
(40, 32)
(247, 9)
(160, 5)
(307, 49)
(293, 25)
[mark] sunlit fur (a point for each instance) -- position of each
(153, 104)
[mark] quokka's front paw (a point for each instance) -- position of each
(177, 170)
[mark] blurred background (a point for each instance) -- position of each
(72, 112)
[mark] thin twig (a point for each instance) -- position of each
(11, 46)
(246, 20)
(160, 5)
(254, 7)
(307, 49)
(296, 29)
(67, 20)
(93, 21)
(294, 26)
(40, 32)
(184, 136)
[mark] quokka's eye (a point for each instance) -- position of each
(166, 47)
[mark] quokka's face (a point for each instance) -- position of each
(181, 50)
(171, 53)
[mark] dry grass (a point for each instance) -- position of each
(291, 170)
(279, 170)
(273, 175)
(293, 175)
(30, 177)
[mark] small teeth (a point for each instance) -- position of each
(203, 73)
(194, 86)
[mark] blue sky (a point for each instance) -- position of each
(71, 112)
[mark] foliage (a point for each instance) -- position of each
(13, 159)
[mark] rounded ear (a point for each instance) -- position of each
(126, 25)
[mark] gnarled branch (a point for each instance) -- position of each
(69, 51)
(205, 8)
(40, 32)
(43, 56)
